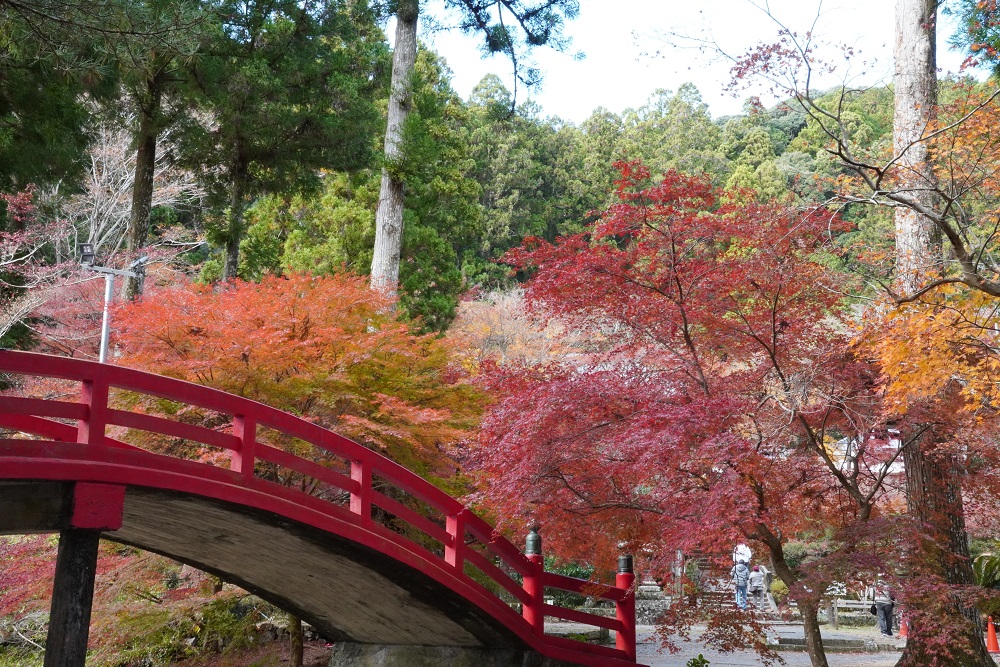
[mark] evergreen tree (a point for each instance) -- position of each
(539, 177)
(285, 89)
(153, 71)
(335, 231)
(674, 131)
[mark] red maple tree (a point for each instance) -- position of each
(716, 401)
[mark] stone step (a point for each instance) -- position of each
(829, 645)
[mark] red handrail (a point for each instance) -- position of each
(94, 414)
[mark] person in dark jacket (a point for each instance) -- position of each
(885, 604)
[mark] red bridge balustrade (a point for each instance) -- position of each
(357, 533)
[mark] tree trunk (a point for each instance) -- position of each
(295, 643)
(807, 607)
(234, 231)
(917, 244)
(142, 185)
(934, 497)
(389, 215)
(814, 640)
(933, 486)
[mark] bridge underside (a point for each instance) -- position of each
(349, 592)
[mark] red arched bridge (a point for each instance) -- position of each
(360, 547)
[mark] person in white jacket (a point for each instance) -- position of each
(756, 585)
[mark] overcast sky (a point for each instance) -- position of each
(621, 37)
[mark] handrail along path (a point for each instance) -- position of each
(443, 540)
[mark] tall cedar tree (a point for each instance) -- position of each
(286, 90)
(716, 401)
(152, 71)
(933, 469)
(508, 27)
(53, 53)
(334, 230)
(43, 119)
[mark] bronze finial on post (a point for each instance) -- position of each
(533, 543)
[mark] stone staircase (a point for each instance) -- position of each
(835, 645)
(651, 602)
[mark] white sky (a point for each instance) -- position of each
(614, 34)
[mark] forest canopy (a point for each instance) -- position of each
(656, 331)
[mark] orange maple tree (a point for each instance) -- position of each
(326, 348)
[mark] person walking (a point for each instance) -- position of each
(756, 585)
(885, 604)
(741, 575)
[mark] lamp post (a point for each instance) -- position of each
(87, 258)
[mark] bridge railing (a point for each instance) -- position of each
(361, 477)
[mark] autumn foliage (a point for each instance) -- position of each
(326, 348)
(147, 608)
(715, 398)
(702, 320)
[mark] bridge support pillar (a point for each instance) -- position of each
(350, 654)
(72, 596)
(95, 508)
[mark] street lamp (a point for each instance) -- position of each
(87, 254)
(87, 258)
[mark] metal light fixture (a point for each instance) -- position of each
(87, 254)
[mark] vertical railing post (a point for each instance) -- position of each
(533, 611)
(625, 608)
(90, 430)
(245, 430)
(454, 553)
(361, 499)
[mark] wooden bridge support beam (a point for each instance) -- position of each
(95, 508)
(72, 597)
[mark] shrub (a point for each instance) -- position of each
(578, 570)
(12, 656)
(779, 590)
(158, 635)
